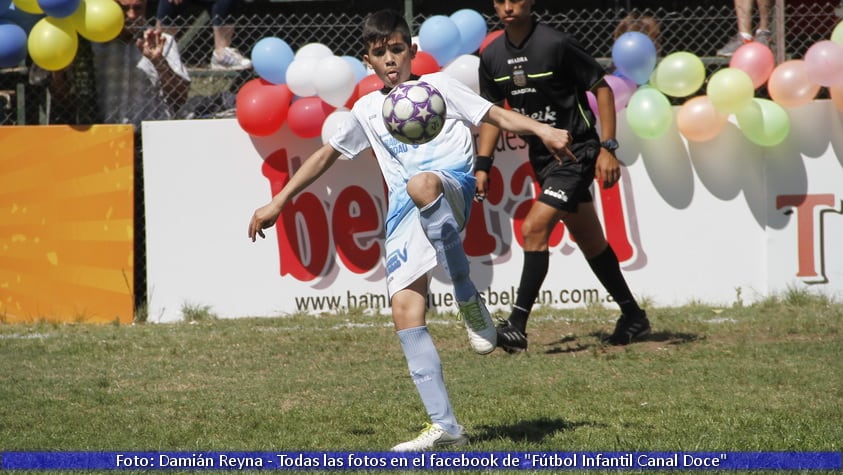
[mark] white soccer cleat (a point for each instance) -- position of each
(432, 436)
(478, 323)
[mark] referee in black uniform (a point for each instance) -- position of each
(545, 74)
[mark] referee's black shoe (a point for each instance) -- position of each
(510, 338)
(628, 330)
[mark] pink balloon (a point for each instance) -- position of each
(306, 116)
(791, 85)
(592, 103)
(699, 121)
(623, 88)
(756, 60)
(825, 63)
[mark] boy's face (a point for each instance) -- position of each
(513, 11)
(391, 59)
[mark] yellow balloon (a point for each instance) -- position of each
(29, 6)
(730, 90)
(679, 74)
(98, 20)
(52, 43)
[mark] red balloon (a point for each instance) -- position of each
(368, 84)
(424, 63)
(261, 106)
(307, 115)
(489, 38)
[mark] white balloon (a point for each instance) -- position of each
(464, 70)
(332, 123)
(415, 41)
(313, 50)
(334, 80)
(301, 76)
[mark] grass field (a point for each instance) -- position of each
(763, 377)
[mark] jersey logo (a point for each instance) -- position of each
(519, 77)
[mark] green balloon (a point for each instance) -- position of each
(648, 113)
(764, 122)
(837, 34)
(679, 74)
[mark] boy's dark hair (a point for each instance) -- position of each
(379, 26)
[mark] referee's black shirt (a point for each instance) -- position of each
(545, 78)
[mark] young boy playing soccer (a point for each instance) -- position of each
(430, 188)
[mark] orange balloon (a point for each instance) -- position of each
(699, 121)
(837, 96)
(790, 84)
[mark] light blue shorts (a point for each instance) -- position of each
(409, 254)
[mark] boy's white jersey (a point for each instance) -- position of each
(452, 150)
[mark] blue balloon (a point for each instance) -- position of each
(21, 18)
(472, 28)
(12, 44)
(634, 54)
(59, 8)
(270, 57)
(440, 38)
(357, 66)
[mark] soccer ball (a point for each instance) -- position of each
(414, 112)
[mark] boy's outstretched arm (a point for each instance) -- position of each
(556, 140)
(312, 168)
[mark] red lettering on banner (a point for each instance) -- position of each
(302, 229)
(479, 240)
(351, 224)
(809, 210)
(614, 221)
(356, 216)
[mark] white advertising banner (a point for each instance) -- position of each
(714, 222)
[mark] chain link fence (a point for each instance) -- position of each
(25, 98)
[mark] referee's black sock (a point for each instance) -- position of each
(532, 277)
(608, 271)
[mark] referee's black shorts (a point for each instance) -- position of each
(565, 185)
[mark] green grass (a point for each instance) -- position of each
(762, 377)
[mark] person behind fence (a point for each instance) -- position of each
(744, 14)
(138, 76)
(430, 189)
(222, 14)
(642, 23)
(545, 73)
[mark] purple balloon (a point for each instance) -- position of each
(623, 88)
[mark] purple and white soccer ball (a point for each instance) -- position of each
(414, 112)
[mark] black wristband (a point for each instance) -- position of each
(483, 163)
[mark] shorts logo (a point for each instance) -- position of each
(395, 259)
(558, 194)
